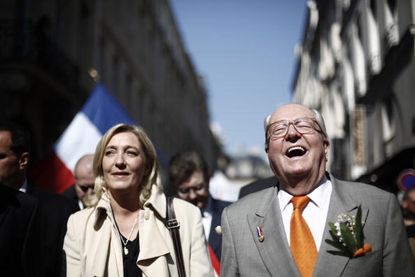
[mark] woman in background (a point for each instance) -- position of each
(124, 234)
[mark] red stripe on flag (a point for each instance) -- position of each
(214, 260)
(52, 174)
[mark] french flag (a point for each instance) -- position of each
(100, 112)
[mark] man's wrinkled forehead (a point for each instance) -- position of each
(291, 112)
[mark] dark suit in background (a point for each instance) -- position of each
(215, 237)
(49, 229)
(257, 185)
(17, 211)
(71, 193)
(43, 246)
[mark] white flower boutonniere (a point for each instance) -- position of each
(347, 236)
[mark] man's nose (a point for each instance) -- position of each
(291, 129)
(192, 194)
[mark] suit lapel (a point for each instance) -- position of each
(341, 201)
(152, 260)
(274, 249)
(149, 231)
(99, 243)
(214, 238)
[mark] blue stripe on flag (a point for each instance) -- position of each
(103, 110)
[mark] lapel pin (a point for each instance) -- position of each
(260, 234)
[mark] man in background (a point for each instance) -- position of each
(83, 189)
(189, 175)
(257, 185)
(48, 227)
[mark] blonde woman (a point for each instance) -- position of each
(124, 233)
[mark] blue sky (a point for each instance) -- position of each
(244, 50)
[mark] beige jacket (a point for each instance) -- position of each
(93, 248)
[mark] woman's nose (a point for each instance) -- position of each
(119, 160)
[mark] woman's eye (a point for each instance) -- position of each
(109, 152)
(132, 153)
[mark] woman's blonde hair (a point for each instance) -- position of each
(150, 160)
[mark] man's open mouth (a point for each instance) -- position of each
(295, 151)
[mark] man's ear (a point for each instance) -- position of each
(24, 161)
(326, 145)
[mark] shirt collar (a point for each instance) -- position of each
(156, 202)
(23, 188)
(318, 196)
(209, 206)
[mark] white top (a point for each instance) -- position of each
(315, 213)
(23, 188)
(207, 221)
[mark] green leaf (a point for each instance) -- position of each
(351, 236)
(332, 226)
(338, 253)
(333, 243)
(336, 240)
(333, 234)
(333, 230)
(348, 238)
(342, 250)
(358, 228)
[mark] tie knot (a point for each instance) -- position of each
(299, 202)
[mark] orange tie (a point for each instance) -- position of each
(302, 243)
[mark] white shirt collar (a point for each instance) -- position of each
(315, 214)
(318, 196)
(23, 188)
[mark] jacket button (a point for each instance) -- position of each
(146, 215)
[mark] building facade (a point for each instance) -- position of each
(52, 53)
(356, 66)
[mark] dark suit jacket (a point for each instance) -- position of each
(257, 185)
(71, 193)
(17, 211)
(49, 229)
(215, 239)
(243, 254)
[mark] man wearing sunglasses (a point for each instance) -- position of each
(83, 189)
(286, 230)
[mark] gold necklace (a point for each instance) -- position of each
(129, 236)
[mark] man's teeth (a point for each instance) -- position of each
(295, 151)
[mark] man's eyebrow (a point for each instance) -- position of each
(278, 121)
